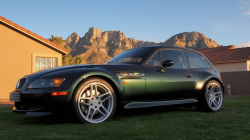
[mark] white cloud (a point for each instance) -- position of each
(245, 5)
(247, 13)
(241, 2)
(247, 44)
(149, 39)
(244, 2)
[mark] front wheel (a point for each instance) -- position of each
(212, 98)
(94, 101)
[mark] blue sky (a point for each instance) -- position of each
(225, 21)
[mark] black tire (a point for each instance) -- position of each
(96, 106)
(211, 101)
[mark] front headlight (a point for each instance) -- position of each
(45, 83)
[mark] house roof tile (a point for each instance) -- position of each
(35, 36)
(226, 53)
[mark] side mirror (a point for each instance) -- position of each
(167, 63)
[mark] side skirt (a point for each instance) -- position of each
(160, 103)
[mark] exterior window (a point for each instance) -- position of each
(196, 61)
(154, 61)
(177, 56)
(42, 63)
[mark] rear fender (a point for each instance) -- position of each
(216, 79)
(200, 86)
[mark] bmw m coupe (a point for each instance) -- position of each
(141, 77)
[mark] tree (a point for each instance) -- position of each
(78, 60)
(67, 59)
(57, 40)
(67, 47)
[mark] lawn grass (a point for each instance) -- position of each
(232, 122)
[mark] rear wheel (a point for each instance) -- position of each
(94, 101)
(212, 98)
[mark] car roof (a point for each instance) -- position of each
(167, 46)
(174, 47)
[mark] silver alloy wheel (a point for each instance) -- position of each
(95, 102)
(214, 96)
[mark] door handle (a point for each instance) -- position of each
(188, 75)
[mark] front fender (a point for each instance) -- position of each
(98, 73)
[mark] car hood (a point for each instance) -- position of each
(42, 72)
(56, 69)
(75, 71)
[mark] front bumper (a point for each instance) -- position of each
(34, 101)
(31, 101)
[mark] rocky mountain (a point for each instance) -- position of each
(193, 40)
(97, 47)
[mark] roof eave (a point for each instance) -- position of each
(64, 52)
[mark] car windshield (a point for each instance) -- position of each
(134, 56)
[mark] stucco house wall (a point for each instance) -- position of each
(232, 67)
(17, 55)
(248, 65)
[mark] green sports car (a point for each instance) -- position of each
(141, 77)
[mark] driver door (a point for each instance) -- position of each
(177, 82)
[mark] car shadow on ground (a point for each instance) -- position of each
(120, 113)
(154, 110)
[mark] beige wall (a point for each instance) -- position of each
(16, 52)
(248, 65)
(231, 67)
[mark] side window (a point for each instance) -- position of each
(196, 61)
(154, 61)
(177, 56)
